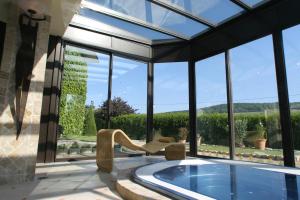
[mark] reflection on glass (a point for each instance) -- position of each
(212, 117)
(214, 11)
(154, 14)
(129, 97)
(123, 25)
(292, 55)
(224, 181)
(83, 89)
(171, 105)
(256, 114)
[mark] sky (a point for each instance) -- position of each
(253, 77)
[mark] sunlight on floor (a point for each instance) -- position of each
(63, 181)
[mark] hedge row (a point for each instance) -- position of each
(213, 127)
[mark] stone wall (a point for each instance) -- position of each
(18, 156)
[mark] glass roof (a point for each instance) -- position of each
(125, 26)
(213, 11)
(149, 13)
(160, 20)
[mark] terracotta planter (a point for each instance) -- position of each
(260, 144)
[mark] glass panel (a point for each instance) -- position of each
(154, 14)
(256, 113)
(129, 102)
(83, 89)
(292, 55)
(171, 102)
(254, 3)
(125, 26)
(214, 11)
(212, 117)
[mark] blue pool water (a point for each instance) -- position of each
(224, 181)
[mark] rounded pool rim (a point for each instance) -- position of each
(144, 175)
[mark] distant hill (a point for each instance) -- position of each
(242, 107)
(247, 107)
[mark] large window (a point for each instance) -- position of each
(129, 97)
(256, 114)
(83, 90)
(292, 53)
(171, 103)
(212, 117)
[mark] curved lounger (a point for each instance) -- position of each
(105, 148)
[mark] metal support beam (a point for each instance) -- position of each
(109, 90)
(192, 109)
(2, 37)
(230, 105)
(241, 4)
(283, 98)
(150, 83)
(183, 13)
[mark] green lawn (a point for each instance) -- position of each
(246, 150)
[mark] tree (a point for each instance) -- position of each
(89, 122)
(117, 107)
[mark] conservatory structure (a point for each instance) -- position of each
(219, 77)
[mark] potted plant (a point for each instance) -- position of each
(182, 135)
(86, 148)
(260, 142)
(74, 148)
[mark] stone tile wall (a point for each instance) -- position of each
(18, 156)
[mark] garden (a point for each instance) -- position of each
(257, 133)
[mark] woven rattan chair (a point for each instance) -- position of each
(106, 139)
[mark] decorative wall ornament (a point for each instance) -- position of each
(24, 64)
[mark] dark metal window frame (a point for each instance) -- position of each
(287, 139)
(43, 152)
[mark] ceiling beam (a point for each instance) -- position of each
(242, 4)
(182, 12)
(127, 18)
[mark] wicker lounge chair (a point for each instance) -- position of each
(107, 137)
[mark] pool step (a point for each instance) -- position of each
(131, 191)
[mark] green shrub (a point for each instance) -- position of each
(213, 127)
(133, 124)
(73, 96)
(240, 126)
(169, 123)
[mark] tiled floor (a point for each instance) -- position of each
(64, 181)
(79, 180)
